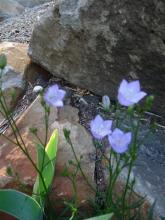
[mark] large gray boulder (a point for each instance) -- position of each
(95, 44)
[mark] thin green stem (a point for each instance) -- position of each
(79, 166)
(113, 181)
(15, 129)
(133, 158)
(7, 138)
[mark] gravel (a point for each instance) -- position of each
(19, 28)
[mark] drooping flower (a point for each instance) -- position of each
(130, 93)
(119, 140)
(100, 127)
(106, 102)
(54, 96)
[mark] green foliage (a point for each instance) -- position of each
(3, 61)
(120, 204)
(20, 205)
(66, 134)
(149, 103)
(102, 217)
(46, 165)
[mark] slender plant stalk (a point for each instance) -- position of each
(15, 129)
(133, 158)
(79, 166)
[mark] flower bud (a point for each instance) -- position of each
(37, 89)
(3, 61)
(149, 102)
(130, 110)
(33, 130)
(106, 102)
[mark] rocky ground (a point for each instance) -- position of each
(19, 28)
(151, 156)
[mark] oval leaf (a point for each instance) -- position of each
(20, 205)
(102, 217)
(46, 163)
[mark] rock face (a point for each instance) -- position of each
(95, 44)
(34, 117)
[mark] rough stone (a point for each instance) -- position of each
(16, 55)
(13, 86)
(18, 59)
(34, 117)
(95, 44)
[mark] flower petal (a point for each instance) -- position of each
(138, 96)
(117, 132)
(119, 141)
(97, 135)
(126, 139)
(58, 103)
(134, 86)
(123, 86)
(123, 101)
(53, 89)
(61, 94)
(108, 124)
(96, 122)
(120, 149)
(54, 96)
(100, 128)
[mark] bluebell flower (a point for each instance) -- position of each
(100, 128)
(54, 96)
(130, 93)
(119, 140)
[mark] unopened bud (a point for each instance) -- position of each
(149, 102)
(37, 89)
(106, 102)
(3, 61)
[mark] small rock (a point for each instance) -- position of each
(13, 86)
(68, 113)
(16, 55)
(34, 117)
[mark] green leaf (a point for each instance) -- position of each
(46, 164)
(51, 147)
(3, 61)
(102, 217)
(20, 205)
